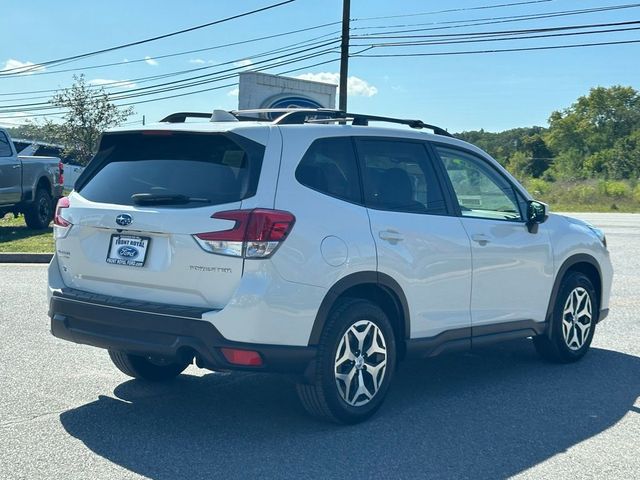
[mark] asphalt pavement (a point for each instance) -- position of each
(67, 413)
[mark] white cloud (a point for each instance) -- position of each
(15, 119)
(243, 63)
(22, 68)
(234, 93)
(112, 83)
(355, 85)
(151, 61)
(200, 61)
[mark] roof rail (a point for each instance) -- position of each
(298, 116)
(180, 117)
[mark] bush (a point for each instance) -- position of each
(636, 193)
(614, 189)
(537, 186)
(585, 193)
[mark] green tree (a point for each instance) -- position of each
(521, 150)
(593, 137)
(89, 111)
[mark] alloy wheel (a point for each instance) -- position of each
(577, 318)
(360, 363)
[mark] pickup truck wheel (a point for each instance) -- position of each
(573, 322)
(355, 363)
(140, 367)
(39, 214)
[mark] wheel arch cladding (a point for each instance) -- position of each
(581, 263)
(376, 287)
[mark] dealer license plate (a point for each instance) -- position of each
(128, 250)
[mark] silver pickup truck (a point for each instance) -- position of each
(29, 185)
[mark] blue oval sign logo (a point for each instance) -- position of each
(128, 252)
(124, 219)
(292, 102)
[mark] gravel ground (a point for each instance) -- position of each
(66, 412)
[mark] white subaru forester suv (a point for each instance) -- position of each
(315, 245)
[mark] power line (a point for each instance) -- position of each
(452, 10)
(450, 42)
(185, 52)
(454, 24)
(502, 32)
(508, 38)
(147, 40)
(470, 52)
(305, 67)
(308, 43)
(225, 86)
(199, 80)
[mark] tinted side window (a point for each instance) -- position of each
(330, 167)
(399, 176)
(481, 191)
(19, 146)
(5, 147)
(46, 151)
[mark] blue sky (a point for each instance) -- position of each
(458, 92)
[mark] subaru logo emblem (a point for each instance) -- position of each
(124, 219)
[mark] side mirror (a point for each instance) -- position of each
(537, 213)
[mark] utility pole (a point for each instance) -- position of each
(344, 56)
(143, 120)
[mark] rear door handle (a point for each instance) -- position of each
(17, 165)
(480, 238)
(391, 236)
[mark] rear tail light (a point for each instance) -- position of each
(58, 219)
(61, 173)
(60, 223)
(256, 234)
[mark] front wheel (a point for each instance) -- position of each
(573, 321)
(355, 364)
(142, 368)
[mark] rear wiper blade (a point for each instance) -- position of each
(165, 199)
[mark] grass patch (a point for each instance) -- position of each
(587, 195)
(16, 237)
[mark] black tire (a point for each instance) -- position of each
(323, 397)
(569, 343)
(140, 367)
(39, 213)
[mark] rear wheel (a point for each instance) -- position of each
(137, 366)
(38, 215)
(573, 322)
(355, 364)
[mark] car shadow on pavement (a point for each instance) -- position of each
(488, 414)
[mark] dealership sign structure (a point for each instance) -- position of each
(262, 90)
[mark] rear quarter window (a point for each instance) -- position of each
(213, 168)
(329, 166)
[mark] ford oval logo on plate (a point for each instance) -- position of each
(124, 219)
(128, 252)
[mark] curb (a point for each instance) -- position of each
(19, 257)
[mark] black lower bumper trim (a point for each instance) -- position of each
(162, 334)
(604, 313)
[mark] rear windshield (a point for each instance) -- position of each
(208, 168)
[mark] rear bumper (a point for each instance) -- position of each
(166, 331)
